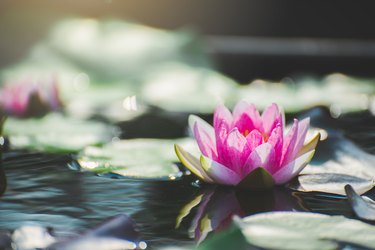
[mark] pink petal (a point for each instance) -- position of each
(236, 151)
(206, 144)
(271, 117)
(221, 134)
(246, 117)
(289, 144)
(263, 156)
(193, 119)
(276, 140)
(254, 139)
(303, 127)
(204, 134)
(219, 173)
(222, 116)
(222, 125)
(48, 93)
(54, 99)
(293, 168)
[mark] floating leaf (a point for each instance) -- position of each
(56, 133)
(346, 164)
(363, 207)
(139, 158)
(332, 183)
(298, 230)
(231, 238)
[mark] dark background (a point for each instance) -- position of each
(22, 23)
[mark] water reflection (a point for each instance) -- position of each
(324, 203)
(3, 179)
(42, 190)
(211, 210)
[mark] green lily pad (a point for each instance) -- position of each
(346, 164)
(338, 92)
(298, 230)
(55, 133)
(231, 238)
(138, 158)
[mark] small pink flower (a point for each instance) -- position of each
(25, 98)
(247, 149)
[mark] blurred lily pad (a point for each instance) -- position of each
(100, 63)
(116, 103)
(56, 133)
(298, 230)
(178, 87)
(114, 49)
(338, 92)
(138, 158)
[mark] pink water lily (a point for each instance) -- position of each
(247, 149)
(29, 98)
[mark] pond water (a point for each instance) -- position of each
(51, 191)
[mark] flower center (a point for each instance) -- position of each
(246, 132)
(265, 137)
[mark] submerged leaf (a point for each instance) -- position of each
(139, 158)
(363, 207)
(56, 133)
(298, 230)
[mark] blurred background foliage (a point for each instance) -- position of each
(23, 23)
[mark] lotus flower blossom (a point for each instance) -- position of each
(247, 149)
(25, 98)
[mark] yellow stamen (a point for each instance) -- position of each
(246, 132)
(265, 137)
